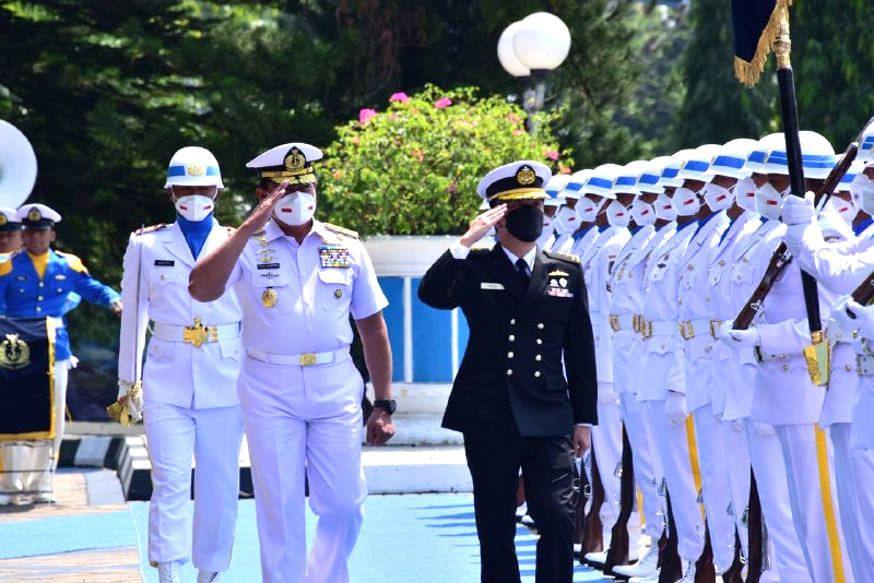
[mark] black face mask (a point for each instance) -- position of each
(525, 223)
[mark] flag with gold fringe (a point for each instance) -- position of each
(26, 379)
(756, 25)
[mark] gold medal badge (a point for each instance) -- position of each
(269, 297)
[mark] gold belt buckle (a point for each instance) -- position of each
(687, 330)
(614, 322)
(199, 334)
(635, 322)
(308, 359)
(647, 328)
(715, 325)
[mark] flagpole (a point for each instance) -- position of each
(816, 354)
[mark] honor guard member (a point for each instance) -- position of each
(526, 309)
(298, 280)
(188, 397)
(35, 283)
(784, 395)
(554, 200)
(566, 220)
(587, 210)
(10, 232)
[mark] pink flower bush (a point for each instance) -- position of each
(551, 154)
(518, 132)
(365, 115)
(443, 102)
(399, 96)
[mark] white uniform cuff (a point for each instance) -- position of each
(458, 251)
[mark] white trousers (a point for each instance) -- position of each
(737, 463)
(28, 466)
(818, 532)
(714, 485)
(647, 466)
(305, 422)
(607, 443)
(213, 436)
(766, 458)
(854, 477)
(673, 447)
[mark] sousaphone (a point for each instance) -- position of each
(17, 166)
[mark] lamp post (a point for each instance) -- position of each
(529, 49)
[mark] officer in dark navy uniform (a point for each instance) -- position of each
(528, 316)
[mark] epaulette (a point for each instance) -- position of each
(6, 265)
(151, 229)
(341, 230)
(563, 256)
(482, 249)
(74, 262)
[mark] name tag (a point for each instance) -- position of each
(268, 266)
(165, 262)
(559, 292)
(491, 286)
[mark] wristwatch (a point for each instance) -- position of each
(388, 405)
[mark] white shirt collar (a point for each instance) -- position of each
(529, 257)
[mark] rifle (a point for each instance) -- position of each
(781, 257)
(617, 554)
(592, 537)
(755, 531)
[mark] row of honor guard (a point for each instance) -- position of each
(671, 249)
(39, 282)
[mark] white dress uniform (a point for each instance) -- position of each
(626, 305)
(785, 397)
(190, 398)
(662, 371)
(607, 434)
(764, 449)
(841, 268)
(696, 313)
(301, 393)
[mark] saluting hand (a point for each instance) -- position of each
(262, 213)
(482, 223)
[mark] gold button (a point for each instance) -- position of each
(512, 337)
(38, 309)
(509, 371)
(40, 284)
(39, 298)
(509, 355)
(538, 358)
(785, 368)
(537, 374)
(848, 368)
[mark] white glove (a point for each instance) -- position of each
(840, 324)
(797, 210)
(740, 338)
(723, 329)
(794, 239)
(675, 408)
(864, 321)
(131, 394)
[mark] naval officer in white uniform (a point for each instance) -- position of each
(298, 280)
(189, 393)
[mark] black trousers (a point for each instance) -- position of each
(547, 470)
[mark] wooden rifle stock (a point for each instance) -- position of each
(865, 291)
(781, 257)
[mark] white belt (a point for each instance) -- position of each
(698, 327)
(769, 356)
(198, 334)
(622, 322)
(306, 359)
(659, 328)
(865, 365)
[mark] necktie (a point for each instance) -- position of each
(522, 268)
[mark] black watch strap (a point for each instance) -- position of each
(388, 405)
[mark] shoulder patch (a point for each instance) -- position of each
(74, 262)
(151, 229)
(563, 256)
(341, 230)
(6, 265)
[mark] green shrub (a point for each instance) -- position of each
(413, 169)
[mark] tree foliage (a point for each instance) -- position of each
(413, 169)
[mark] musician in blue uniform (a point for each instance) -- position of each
(36, 283)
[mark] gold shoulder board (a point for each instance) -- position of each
(74, 262)
(152, 228)
(341, 230)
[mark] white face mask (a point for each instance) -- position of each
(617, 214)
(194, 207)
(847, 210)
(863, 193)
(768, 202)
(664, 208)
(643, 213)
(686, 202)
(718, 198)
(745, 192)
(296, 208)
(588, 210)
(547, 224)
(566, 221)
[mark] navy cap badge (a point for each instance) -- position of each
(34, 215)
(295, 159)
(526, 175)
(3, 219)
(195, 170)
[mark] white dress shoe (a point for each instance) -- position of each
(646, 566)
(208, 576)
(168, 572)
(596, 557)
